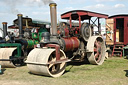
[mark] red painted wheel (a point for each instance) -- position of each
(96, 50)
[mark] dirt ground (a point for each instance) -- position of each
(114, 71)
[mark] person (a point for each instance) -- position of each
(104, 37)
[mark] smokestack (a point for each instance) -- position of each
(53, 18)
(20, 24)
(4, 29)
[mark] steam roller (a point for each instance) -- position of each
(14, 49)
(67, 43)
(9, 52)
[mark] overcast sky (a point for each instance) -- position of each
(39, 9)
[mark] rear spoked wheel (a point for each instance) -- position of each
(96, 46)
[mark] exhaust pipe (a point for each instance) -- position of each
(20, 24)
(4, 29)
(53, 19)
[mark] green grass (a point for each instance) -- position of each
(114, 71)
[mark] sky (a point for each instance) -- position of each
(39, 9)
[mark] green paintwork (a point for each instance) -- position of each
(18, 45)
(30, 44)
(36, 38)
(36, 42)
(108, 32)
(35, 35)
(41, 30)
(39, 34)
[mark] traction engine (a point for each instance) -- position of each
(15, 48)
(66, 43)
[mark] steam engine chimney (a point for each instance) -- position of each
(4, 29)
(20, 24)
(53, 18)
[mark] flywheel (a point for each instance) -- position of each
(86, 31)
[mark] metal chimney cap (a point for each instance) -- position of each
(52, 4)
(4, 23)
(19, 15)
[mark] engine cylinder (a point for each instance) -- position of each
(71, 43)
(45, 37)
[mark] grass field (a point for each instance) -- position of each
(114, 71)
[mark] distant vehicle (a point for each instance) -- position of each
(19, 40)
(116, 34)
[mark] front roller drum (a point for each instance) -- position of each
(5, 57)
(96, 50)
(45, 56)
